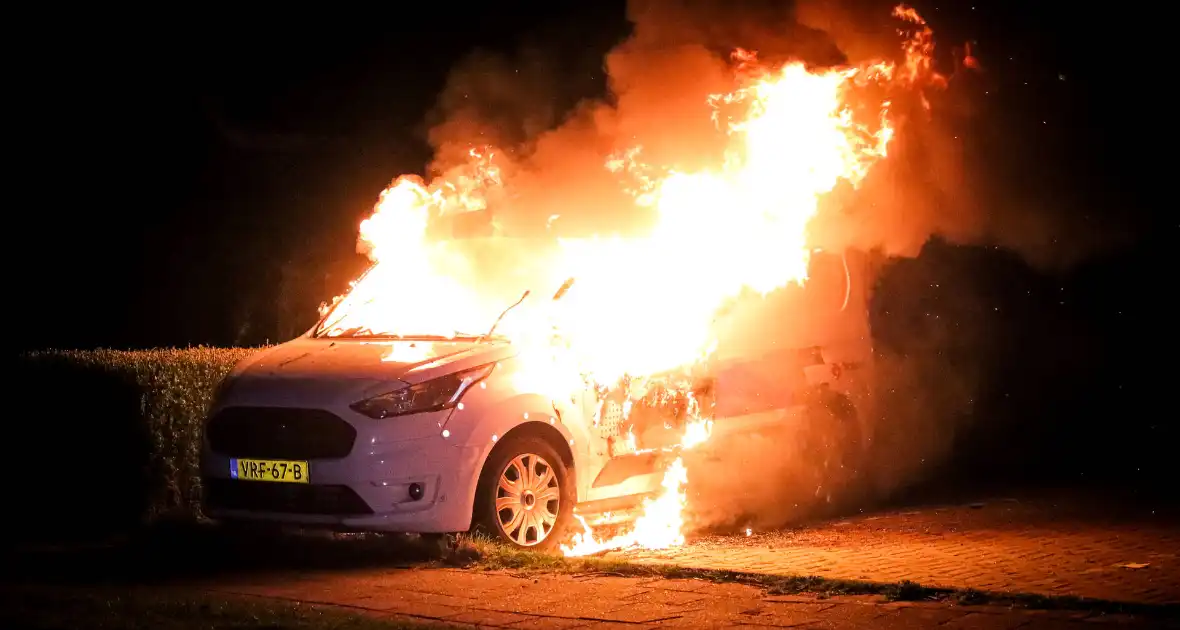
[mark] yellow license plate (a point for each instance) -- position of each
(281, 470)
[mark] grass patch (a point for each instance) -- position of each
(113, 437)
(171, 609)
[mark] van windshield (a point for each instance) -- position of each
(454, 289)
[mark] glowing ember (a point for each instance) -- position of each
(792, 135)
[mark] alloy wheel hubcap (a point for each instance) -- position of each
(528, 499)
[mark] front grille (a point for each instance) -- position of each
(279, 433)
(286, 498)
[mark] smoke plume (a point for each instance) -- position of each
(935, 183)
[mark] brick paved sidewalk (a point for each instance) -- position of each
(477, 599)
(1046, 546)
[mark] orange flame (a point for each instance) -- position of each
(659, 527)
(793, 136)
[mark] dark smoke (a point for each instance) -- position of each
(947, 179)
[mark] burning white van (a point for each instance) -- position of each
(437, 394)
(421, 432)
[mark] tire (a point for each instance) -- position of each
(539, 517)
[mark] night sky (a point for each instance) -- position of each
(188, 159)
(180, 162)
(197, 176)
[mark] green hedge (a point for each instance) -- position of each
(109, 439)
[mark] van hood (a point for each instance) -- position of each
(325, 372)
(383, 360)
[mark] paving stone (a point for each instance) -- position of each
(799, 607)
(549, 623)
(427, 623)
(612, 625)
(677, 584)
(986, 621)
(423, 610)
(1000, 547)
(918, 617)
(847, 616)
(1045, 547)
(487, 618)
(666, 598)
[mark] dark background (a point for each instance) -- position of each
(197, 177)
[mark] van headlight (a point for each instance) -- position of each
(439, 393)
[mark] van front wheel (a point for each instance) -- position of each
(525, 496)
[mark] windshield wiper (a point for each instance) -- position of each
(565, 286)
(457, 336)
(561, 291)
(355, 331)
(502, 314)
(365, 331)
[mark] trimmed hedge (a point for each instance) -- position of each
(105, 440)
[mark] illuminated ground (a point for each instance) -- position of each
(1017, 550)
(600, 602)
(372, 599)
(1059, 545)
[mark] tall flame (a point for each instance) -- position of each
(793, 135)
